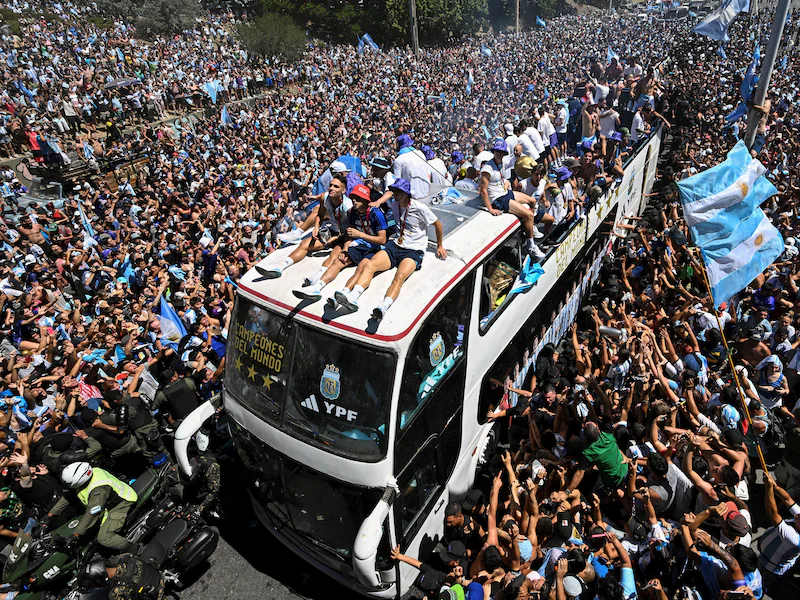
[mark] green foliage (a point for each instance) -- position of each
(153, 17)
(273, 34)
(438, 20)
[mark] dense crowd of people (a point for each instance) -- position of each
(633, 459)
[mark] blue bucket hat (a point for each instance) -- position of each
(563, 173)
(457, 157)
(616, 136)
(428, 152)
(587, 145)
(401, 185)
(499, 146)
(404, 141)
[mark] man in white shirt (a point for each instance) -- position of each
(561, 124)
(511, 139)
(498, 198)
(549, 137)
(412, 166)
(531, 180)
(609, 119)
(404, 252)
(535, 137)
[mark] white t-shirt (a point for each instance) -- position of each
(546, 129)
(562, 114)
(338, 214)
(413, 221)
(536, 138)
(528, 149)
(534, 191)
(511, 141)
(608, 122)
(638, 123)
(496, 188)
(414, 168)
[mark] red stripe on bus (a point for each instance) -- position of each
(385, 338)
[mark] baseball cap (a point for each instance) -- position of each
(736, 520)
(625, 132)
(429, 580)
(454, 592)
(454, 551)
(524, 167)
(338, 166)
(401, 185)
(573, 586)
(637, 528)
(733, 437)
(499, 146)
(380, 162)
(473, 499)
(360, 191)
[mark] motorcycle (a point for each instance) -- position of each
(39, 563)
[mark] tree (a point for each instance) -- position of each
(153, 17)
(273, 34)
(438, 20)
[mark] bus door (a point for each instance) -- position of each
(429, 422)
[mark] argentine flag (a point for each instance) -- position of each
(718, 199)
(715, 25)
(736, 239)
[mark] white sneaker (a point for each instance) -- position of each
(345, 301)
(536, 252)
(293, 237)
(537, 234)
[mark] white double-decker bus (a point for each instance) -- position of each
(331, 412)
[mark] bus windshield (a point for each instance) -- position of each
(326, 390)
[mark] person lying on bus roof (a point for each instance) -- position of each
(366, 236)
(404, 252)
(499, 198)
(334, 208)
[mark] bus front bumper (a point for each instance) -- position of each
(338, 571)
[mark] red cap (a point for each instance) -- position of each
(360, 191)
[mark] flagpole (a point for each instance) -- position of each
(730, 361)
(775, 35)
(414, 33)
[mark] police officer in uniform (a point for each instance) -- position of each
(177, 398)
(106, 499)
(127, 578)
(206, 477)
(52, 451)
(459, 527)
(140, 421)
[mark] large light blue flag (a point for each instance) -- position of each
(210, 87)
(734, 261)
(485, 51)
(367, 39)
(225, 117)
(172, 329)
(541, 22)
(611, 54)
(718, 199)
(750, 79)
(715, 25)
(721, 52)
(360, 47)
(470, 81)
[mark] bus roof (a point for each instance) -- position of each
(470, 233)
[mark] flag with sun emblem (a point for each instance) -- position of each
(718, 199)
(721, 206)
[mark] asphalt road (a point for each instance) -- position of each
(250, 564)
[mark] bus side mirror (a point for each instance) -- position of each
(368, 538)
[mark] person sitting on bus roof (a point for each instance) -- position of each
(405, 252)
(337, 168)
(334, 208)
(366, 236)
(499, 198)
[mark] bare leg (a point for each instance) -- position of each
(404, 270)
(377, 264)
(524, 214)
